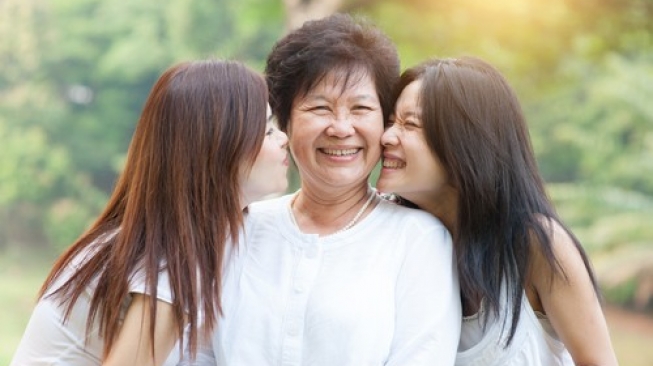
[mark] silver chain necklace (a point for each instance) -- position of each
(351, 223)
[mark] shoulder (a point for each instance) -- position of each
(268, 209)
(569, 263)
(266, 216)
(410, 229)
(269, 206)
(561, 243)
(411, 218)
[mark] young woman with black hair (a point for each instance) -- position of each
(458, 147)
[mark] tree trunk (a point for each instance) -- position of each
(299, 11)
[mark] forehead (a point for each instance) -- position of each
(409, 97)
(341, 82)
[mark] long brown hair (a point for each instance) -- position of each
(474, 124)
(177, 202)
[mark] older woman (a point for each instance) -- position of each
(333, 275)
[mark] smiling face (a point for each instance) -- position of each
(334, 132)
(268, 174)
(410, 168)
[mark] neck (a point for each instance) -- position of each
(325, 214)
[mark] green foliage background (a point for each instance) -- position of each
(75, 74)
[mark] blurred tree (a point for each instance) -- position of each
(76, 72)
(604, 122)
(583, 72)
(299, 11)
(35, 170)
(75, 76)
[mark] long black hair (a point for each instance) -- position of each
(474, 124)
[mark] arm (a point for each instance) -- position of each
(133, 345)
(571, 304)
(428, 310)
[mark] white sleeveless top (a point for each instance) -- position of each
(535, 342)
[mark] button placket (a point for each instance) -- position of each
(307, 268)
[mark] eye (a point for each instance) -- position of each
(362, 107)
(271, 127)
(412, 124)
(319, 108)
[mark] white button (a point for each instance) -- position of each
(300, 288)
(293, 331)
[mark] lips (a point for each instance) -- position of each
(393, 163)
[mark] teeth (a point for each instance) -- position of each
(393, 164)
(340, 152)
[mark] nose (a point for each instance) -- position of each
(389, 137)
(283, 139)
(341, 127)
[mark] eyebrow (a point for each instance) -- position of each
(409, 114)
(364, 97)
(319, 97)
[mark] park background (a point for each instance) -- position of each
(74, 75)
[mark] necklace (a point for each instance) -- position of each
(348, 226)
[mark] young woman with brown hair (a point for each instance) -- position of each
(147, 273)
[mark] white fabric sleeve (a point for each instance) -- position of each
(428, 308)
(137, 285)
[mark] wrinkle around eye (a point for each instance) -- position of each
(317, 109)
(364, 106)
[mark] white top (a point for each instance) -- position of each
(48, 341)
(384, 292)
(535, 343)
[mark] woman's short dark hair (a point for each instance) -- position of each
(302, 59)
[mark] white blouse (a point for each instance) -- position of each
(384, 292)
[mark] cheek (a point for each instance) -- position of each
(267, 155)
(297, 136)
(296, 145)
(437, 176)
(373, 131)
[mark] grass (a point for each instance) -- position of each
(632, 349)
(22, 272)
(632, 336)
